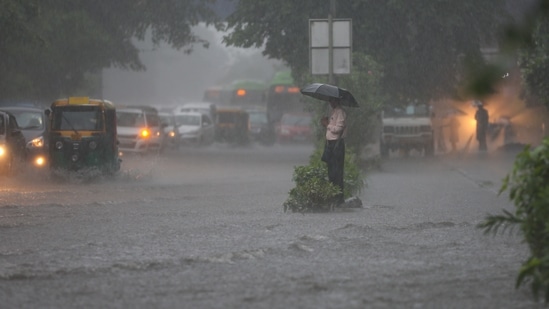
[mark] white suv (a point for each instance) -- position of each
(139, 129)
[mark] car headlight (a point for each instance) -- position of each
(37, 142)
(171, 134)
(39, 161)
(2, 150)
(145, 133)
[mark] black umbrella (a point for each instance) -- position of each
(326, 92)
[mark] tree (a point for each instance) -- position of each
(531, 37)
(49, 46)
(420, 44)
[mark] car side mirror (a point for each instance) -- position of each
(47, 112)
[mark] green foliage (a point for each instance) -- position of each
(313, 191)
(418, 43)
(528, 186)
(534, 61)
(49, 46)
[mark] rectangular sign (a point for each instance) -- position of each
(319, 50)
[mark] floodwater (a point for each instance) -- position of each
(205, 228)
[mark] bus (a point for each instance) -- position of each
(283, 96)
(241, 93)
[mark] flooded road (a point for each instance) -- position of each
(204, 228)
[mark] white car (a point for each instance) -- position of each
(171, 135)
(200, 107)
(139, 129)
(195, 128)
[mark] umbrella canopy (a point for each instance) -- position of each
(326, 92)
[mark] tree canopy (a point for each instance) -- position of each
(421, 45)
(48, 46)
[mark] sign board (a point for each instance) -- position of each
(319, 37)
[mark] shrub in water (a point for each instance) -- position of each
(313, 191)
(528, 186)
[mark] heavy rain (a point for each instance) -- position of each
(154, 162)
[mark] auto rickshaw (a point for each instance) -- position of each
(83, 135)
(232, 126)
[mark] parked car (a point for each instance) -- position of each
(12, 144)
(195, 128)
(261, 129)
(294, 127)
(33, 124)
(139, 129)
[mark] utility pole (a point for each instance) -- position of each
(331, 15)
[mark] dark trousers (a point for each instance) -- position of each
(481, 137)
(336, 165)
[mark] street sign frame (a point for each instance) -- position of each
(319, 46)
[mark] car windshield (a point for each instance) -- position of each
(130, 119)
(167, 119)
(259, 118)
(29, 120)
(407, 112)
(87, 118)
(187, 120)
(296, 120)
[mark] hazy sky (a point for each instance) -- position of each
(173, 77)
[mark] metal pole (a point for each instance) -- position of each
(331, 43)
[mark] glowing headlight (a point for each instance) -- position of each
(171, 134)
(2, 150)
(37, 142)
(92, 145)
(145, 133)
(39, 161)
(58, 145)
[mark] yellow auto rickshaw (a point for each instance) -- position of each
(83, 135)
(232, 126)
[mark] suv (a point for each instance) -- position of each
(406, 129)
(139, 129)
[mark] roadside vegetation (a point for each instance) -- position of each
(528, 183)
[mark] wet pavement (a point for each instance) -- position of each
(204, 228)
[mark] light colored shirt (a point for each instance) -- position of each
(337, 125)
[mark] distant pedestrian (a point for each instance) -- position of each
(453, 132)
(481, 116)
(335, 145)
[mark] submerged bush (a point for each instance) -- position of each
(528, 186)
(313, 191)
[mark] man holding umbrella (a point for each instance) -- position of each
(335, 144)
(336, 125)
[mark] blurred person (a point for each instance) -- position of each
(481, 116)
(453, 131)
(335, 145)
